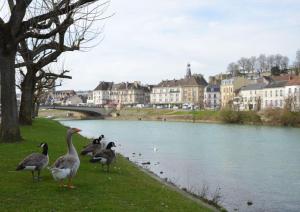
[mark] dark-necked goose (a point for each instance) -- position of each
(105, 156)
(92, 147)
(35, 161)
(67, 165)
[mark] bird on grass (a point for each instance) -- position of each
(35, 162)
(92, 147)
(66, 166)
(105, 156)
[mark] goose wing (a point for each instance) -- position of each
(108, 154)
(64, 162)
(36, 160)
(90, 148)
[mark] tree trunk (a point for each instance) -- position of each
(36, 109)
(10, 131)
(27, 88)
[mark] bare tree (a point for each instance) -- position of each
(271, 61)
(243, 64)
(262, 63)
(233, 69)
(36, 54)
(23, 20)
(249, 64)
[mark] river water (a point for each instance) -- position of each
(248, 163)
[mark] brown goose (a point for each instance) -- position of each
(35, 161)
(67, 165)
(92, 147)
(105, 156)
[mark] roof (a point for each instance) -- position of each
(212, 88)
(294, 81)
(256, 86)
(194, 80)
(276, 84)
(104, 86)
(120, 86)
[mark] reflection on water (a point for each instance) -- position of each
(248, 163)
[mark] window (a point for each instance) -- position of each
(276, 93)
(271, 102)
(281, 103)
(290, 90)
(270, 93)
(215, 95)
(281, 93)
(275, 103)
(266, 103)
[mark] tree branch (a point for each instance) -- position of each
(17, 14)
(32, 22)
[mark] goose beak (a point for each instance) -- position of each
(77, 130)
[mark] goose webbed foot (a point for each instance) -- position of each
(70, 186)
(39, 178)
(61, 183)
(33, 178)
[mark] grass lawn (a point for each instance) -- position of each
(125, 188)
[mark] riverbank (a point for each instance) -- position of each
(125, 187)
(272, 117)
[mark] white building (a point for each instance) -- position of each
(292, 94)
(121, 94)
(101, 94)
(212, 97)
(251, 96)
(186, 91)
(167, 92)
(274, 95)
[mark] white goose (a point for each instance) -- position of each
(67, 165)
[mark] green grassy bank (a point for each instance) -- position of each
(125, 188)
(277, 117)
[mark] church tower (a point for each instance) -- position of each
(188, 71)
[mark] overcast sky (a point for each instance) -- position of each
(149, 41)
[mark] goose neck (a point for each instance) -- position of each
(71, 148)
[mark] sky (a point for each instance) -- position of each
(150, 41)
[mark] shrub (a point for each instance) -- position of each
(250, 117)
(288, 118)
(230, 116)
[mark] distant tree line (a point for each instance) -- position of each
(276, 64)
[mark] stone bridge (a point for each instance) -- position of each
(94, 111)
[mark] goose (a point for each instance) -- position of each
(35, 161)
(92, 147)
(67, 165)
(105, 156)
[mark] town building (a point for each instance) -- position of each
(273, 95)
(229, 89)
(125, 93)
(58, 97)
(251, 96)
(168, 92)
(73, 100)
(188, 91)
(292, 94)
(212, 97)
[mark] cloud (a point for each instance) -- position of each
(153, 40)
